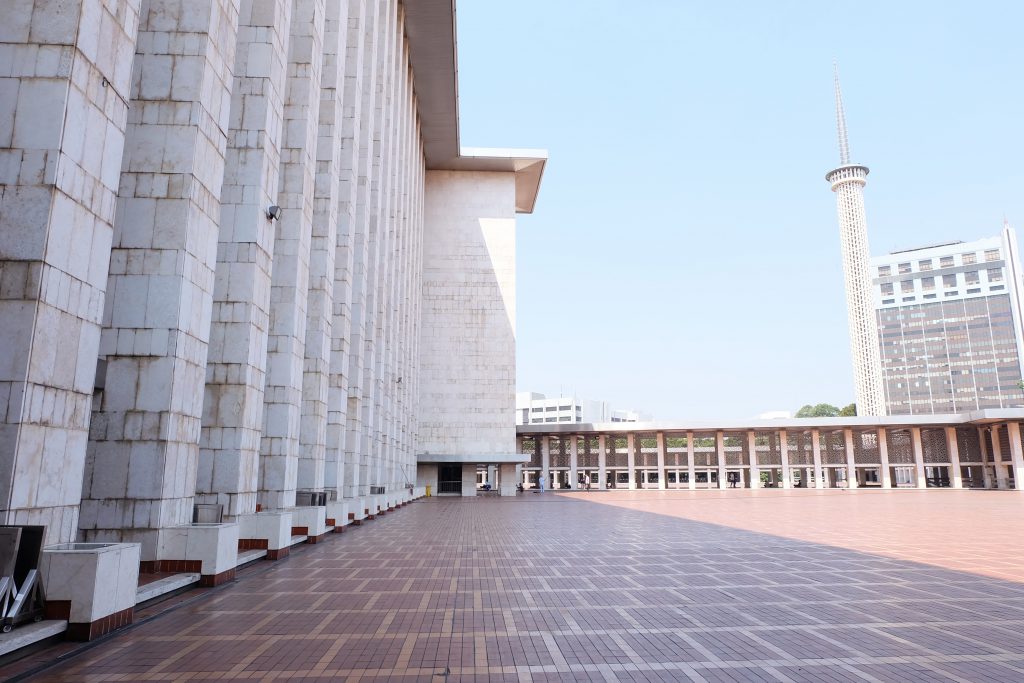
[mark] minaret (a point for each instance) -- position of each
(848, 182)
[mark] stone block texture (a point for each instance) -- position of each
(164, 340)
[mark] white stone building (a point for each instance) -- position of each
(244, 260)
(535, 408)
(951, 334)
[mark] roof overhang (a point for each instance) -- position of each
(474, 458)
(977, 417)
(430, 27)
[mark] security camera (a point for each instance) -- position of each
(273, 212)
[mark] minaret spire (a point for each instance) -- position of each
(844, 143)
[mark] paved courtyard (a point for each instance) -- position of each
(588, 587)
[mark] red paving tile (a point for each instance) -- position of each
(718, 586)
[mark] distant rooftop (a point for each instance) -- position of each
(927, 246)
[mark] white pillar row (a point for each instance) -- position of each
(282, 400)
(574, 454)
(690, 468)
(631, 458)
(956, 480)
(787, 479)
(883, 457)
(662, 483)
(755, 467)
(720, 454)
(1016, 455)
(545, 460)
(919, 474)
(229, 447)
(819, 479)
(343, 414)
(144, 439)
(602, 462)
(851, 462)
(62, 137)
(314, 469)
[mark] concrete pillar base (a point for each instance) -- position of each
(210, 549)
(337, 514)
(92, 585)
(309, 521)
(271, 530)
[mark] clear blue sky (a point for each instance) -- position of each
(683, 258)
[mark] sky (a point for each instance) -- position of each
(683, 258)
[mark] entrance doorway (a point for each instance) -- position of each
(449, 479)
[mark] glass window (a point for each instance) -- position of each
(908, 298)
(971, 277)
(928, 283)
(887, 289)
(995, 274)
(884, 271)
(946, 262)
(888, 301)
(969, 258)
(991, 254)
(904, 268)
(924, 265)
(949, 280)
(906, 286)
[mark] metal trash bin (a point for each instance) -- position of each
(21, 591)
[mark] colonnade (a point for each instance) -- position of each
(989, 454)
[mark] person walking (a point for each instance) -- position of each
(586, 480)
(540, 482)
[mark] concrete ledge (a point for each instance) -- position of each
(337, 510)
(164, 586)
(274, 527)
(309, 521)
(214, 546)
(30, 634)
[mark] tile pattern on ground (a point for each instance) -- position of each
(555, 588)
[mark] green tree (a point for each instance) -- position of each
(849, 411)
(820, 410)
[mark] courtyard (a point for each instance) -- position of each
(796, 585)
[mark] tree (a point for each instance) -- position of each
(849, 411)
(820, 410)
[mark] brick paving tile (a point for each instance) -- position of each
(614, 586)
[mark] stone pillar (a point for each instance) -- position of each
(282, 401)
(691, 470)
(1016, 455)
(956, 480)
(787, 479)
(986, 472)
(919, 474)
(1002, 480)
(321, 459)
(144, 439)
(574, 452)
(507, 479)
(662, 483)
(819, 475)
(602, 460)
(720, 455)
(631, 458)
(228, 469)
(491, 476)
(545, 460)
(883, 458)
(755, 466)
(67, 71)
(851, 462)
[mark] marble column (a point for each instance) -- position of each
(574, 452)
(851, 462)
(919, 473)
(690, 468)
(720, 455)
(787, 479)
(602, 462)
(67, 72)
(956, 480)
(1016, 455)
(755, 466)
(631, 458)
(228, 469)
(282, 400)
(662, 483)
(144, 439)
(883, 457)
(819, 475)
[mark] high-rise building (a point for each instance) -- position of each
(950, 330)
(848, 182)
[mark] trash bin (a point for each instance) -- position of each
(428, 491)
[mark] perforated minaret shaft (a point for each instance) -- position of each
(848, 182)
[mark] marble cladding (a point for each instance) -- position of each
(141, 144)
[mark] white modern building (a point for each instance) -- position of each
(248, 275)
(535, 408)
(848, 181)
(951, 335)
